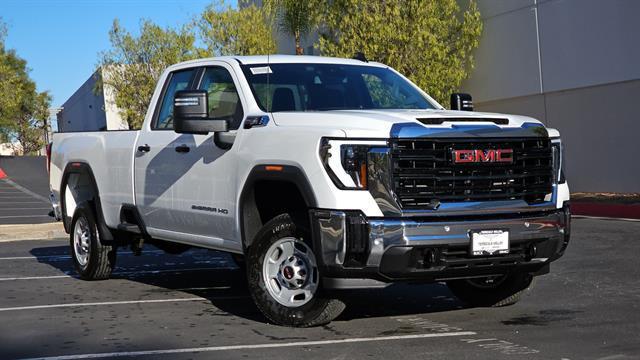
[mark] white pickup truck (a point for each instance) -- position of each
(322, 174)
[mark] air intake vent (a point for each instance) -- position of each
(439, 121)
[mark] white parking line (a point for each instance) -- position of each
(128, 302)
(21, 202)
(33, 208)
(35, 277)
(25, 216)
(25, 190)
(119, 273)
(253, 346)
(64, 257)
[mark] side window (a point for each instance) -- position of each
(224, 102)
(178, 80)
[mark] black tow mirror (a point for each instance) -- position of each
(191, 114)
(461, 101)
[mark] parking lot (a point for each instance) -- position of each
(196, 306)
(24, 193)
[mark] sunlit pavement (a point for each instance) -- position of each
(196, 306)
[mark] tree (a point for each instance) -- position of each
(296, 18)
(430, 41)
(227, 31)
(134, 64)
(23, 113)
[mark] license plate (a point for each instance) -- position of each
(489, 242)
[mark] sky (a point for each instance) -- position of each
(61, 39)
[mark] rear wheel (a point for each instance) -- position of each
(495, 291)
(91, 259)
(284, 279)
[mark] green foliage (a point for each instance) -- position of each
(429, 41)
(227, 31)
(23, 110)
(295, 18)
(134, 64)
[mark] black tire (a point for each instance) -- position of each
(100, 259)
(505, 291)
(319, 310)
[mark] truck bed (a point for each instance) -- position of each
(110, 154)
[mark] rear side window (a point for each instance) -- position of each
(178, 80)
(223, 99)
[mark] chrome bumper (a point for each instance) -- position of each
(350, 244)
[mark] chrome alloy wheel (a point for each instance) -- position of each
(290, 272)
(82, 241)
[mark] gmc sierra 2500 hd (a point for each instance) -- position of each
(324, 174)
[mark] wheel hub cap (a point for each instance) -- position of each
(81, 241)
(290, 272)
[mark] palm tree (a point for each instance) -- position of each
(296, 18)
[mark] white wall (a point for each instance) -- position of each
(88, 110)
(574, 64)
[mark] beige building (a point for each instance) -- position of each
(573, 64)
(10, 149)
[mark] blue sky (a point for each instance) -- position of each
(61, 39)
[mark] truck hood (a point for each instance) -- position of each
(395, 123)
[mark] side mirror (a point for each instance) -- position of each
(191, 114)
(461, 101)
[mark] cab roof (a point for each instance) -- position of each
(286, 59)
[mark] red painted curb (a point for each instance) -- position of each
(2, 174)
(627, 211)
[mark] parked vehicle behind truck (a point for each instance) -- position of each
(321, 174)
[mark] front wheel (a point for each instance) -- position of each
(284, 279)
(91, 259)
(495, 291)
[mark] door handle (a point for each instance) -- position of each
(144, 148)
(182, 149)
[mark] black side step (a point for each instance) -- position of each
(131, 221)
(131, 228)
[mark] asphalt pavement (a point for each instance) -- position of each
(24, 192)
(196, 306)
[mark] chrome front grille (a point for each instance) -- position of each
(424, 172)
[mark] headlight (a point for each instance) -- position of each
(346, 161)
(557, 152)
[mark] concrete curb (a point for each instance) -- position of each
(608, 210)
(48, 231)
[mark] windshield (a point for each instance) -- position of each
(320, 87)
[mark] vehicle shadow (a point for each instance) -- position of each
(214, 276)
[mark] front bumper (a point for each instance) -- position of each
(351, 246)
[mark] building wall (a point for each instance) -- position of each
(10, 149)
(83, 111)
(87, 110)
(573, 65)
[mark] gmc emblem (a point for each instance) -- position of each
(483, 156)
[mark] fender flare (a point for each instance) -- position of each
(77, 167)
(285, 173)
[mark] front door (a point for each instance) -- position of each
(190, 181)
(155, 164)
(204, 200)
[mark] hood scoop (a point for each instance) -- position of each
(439, 121)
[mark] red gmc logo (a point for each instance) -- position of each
(483, 156)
